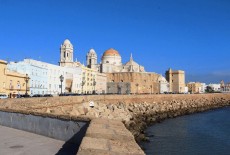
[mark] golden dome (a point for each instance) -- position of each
(111, 52)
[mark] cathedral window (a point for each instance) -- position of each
(64, 55)
(107, 61)
(67, 54)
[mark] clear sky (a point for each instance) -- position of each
(190, 35)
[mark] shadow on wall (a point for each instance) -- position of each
(72, 145)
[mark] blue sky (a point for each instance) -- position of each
(190, 35)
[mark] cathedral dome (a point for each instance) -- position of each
(111, 52)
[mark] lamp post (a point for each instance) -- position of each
(151, 89)
(137, 87)
(61, 79)
(27, 78)
(82, 84)
(108, 89)
(127, 86)
(94, 84)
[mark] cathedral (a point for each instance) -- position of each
(111, 62)
(128, 78)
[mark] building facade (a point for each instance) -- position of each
(176, 80)
(36, 71)
(225, 88)
(203, 87)
(53, 79)
(215, 86)
(194, 87)
(164, 85)
(12, 83)
(133, 82)
(101, 83)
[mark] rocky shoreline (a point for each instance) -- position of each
(148, 114)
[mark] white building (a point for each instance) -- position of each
(54, 82)
(45, 77)
(215, 87)
(164, 85)
(186, 90)
(203, 87)
(36, 72)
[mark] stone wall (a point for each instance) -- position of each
(140, 82)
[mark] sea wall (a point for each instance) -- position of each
(135, 111)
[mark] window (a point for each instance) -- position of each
(18, 85)
(107, 61)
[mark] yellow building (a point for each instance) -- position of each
(12, 83)
(176, 80)
(194, 87)
(92, 81)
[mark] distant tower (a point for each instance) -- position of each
(91, 59)
(176, 80)
(66, 54)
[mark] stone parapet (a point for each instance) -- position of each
(108, 137)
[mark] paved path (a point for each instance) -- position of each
(17, 142)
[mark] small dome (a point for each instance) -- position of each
(111, 52)
(92, 51)
(67, 42)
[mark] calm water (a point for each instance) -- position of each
(206, 133)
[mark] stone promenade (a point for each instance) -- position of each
(108, 137)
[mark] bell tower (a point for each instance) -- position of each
(66, 54)
(91, 59)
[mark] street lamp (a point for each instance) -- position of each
(61, 79)
(82, 84)
(137, 87)
(94, 84)
(151, 89)
(27, 78)
(108, 89)
(127, 86)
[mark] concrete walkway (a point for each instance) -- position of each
(17, 142)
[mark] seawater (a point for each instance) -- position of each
(206, 133)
